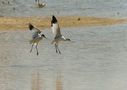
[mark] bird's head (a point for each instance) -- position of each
(43, 36)
(67, 39)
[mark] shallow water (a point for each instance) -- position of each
(94, 60)
(99, 8)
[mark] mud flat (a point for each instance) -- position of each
(16, 23)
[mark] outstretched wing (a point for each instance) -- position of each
(55, 27)
(35, 31)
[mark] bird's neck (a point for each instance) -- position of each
(65, 39)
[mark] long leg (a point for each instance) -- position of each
(56, 48)
(37, 49)
(31, 48)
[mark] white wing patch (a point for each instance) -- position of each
(35, 44)
(54, 28)
(39, 35)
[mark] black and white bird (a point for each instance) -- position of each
(40, 5)
(58, 36)
(36, 37)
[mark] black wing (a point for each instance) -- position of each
(35, 31)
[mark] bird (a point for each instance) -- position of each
(36, 37)
(40, 5)
(58, 36)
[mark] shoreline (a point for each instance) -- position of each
(21, 23)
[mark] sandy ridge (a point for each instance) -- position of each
(21, 23)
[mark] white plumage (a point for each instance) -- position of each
(54, 27)
(56, 31)
(37, 36)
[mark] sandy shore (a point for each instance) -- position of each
(16, 23)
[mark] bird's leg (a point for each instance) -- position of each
(56, 48)
(37, 49)
(31, 48)
(58, 51)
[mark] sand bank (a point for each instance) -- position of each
(21, 23)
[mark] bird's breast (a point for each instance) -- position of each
(54, 28)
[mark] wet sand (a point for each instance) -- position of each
(16, 23)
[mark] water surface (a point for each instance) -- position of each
(94, 60)
(98, 8)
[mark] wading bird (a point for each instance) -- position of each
(58, 36)
(40, 5)
(36, 37)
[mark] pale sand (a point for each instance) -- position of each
(21, 23)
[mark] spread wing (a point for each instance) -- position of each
(55, 27)
(35, 31)
(56, 30)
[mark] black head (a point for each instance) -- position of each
(68, 39)
(54, 20)
(31, 26)
(43, 35)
